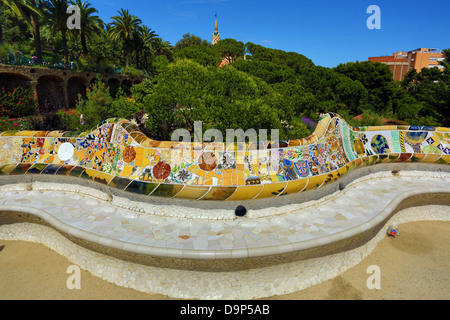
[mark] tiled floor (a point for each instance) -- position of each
(167, 236)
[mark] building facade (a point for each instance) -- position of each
(402, 62)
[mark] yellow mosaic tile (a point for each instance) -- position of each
(272, 190)
(245, 193)
(219, 193)
(127, 170)
(296, 186)
(445, 158)
(104, 177)
(315, 182)
(192, 192)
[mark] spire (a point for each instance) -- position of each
(216, 35)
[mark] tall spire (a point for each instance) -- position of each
(216, 35)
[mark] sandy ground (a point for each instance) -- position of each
(414, 266)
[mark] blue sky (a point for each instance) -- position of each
(328, 32)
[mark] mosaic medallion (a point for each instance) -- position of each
(207, 161)
(129, 154)
(380, 144)
(359, 147)
(183, 176)
(65, 151)
(162, 170)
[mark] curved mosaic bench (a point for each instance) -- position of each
(120, 156)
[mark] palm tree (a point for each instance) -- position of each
(90, 23)
(122, 28)
(57, 19)
(162, 47)
(143, 40)
(30, 11)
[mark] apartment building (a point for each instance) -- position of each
(402, 62)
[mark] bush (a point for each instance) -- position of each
(5, 50)
(47, 122)
(70, 120)
(97, 106)
(22, 124)
(17, 103)
(124, 107)
(130, 71)
(368, 119)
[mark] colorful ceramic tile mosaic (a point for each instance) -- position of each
(118, 155)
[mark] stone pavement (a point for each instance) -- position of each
(362, 205)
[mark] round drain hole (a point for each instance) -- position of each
(241, 211)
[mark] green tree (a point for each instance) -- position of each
(97, 105)
(220, 98)
(123, 28)
(143, 42)
(230, 49)
(268, 71)
(30, 11)
(148, 38)
(377, 78)
(56, 12)
(206, 56)
(293, 100)
(408, 108)
(162, 47)
(190, 40)
(293, 60)
(91, 24)
(431, 88)
(333, 91)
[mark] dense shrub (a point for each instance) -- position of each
(17, 103)
(70, 119)
(96, 107)
(99, 105)
(22, 124)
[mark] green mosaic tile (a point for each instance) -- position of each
(143, 188)
(76, 172)
(51, 169)
(167, 190)
(6, 169)
(119, 183)
(37, 168)
(20, 169)
(62, 170)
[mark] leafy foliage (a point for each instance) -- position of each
(17, 103)
(259, 88)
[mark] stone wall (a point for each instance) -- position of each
(59, 87)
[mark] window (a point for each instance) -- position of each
(433, 59)
(441, 59)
